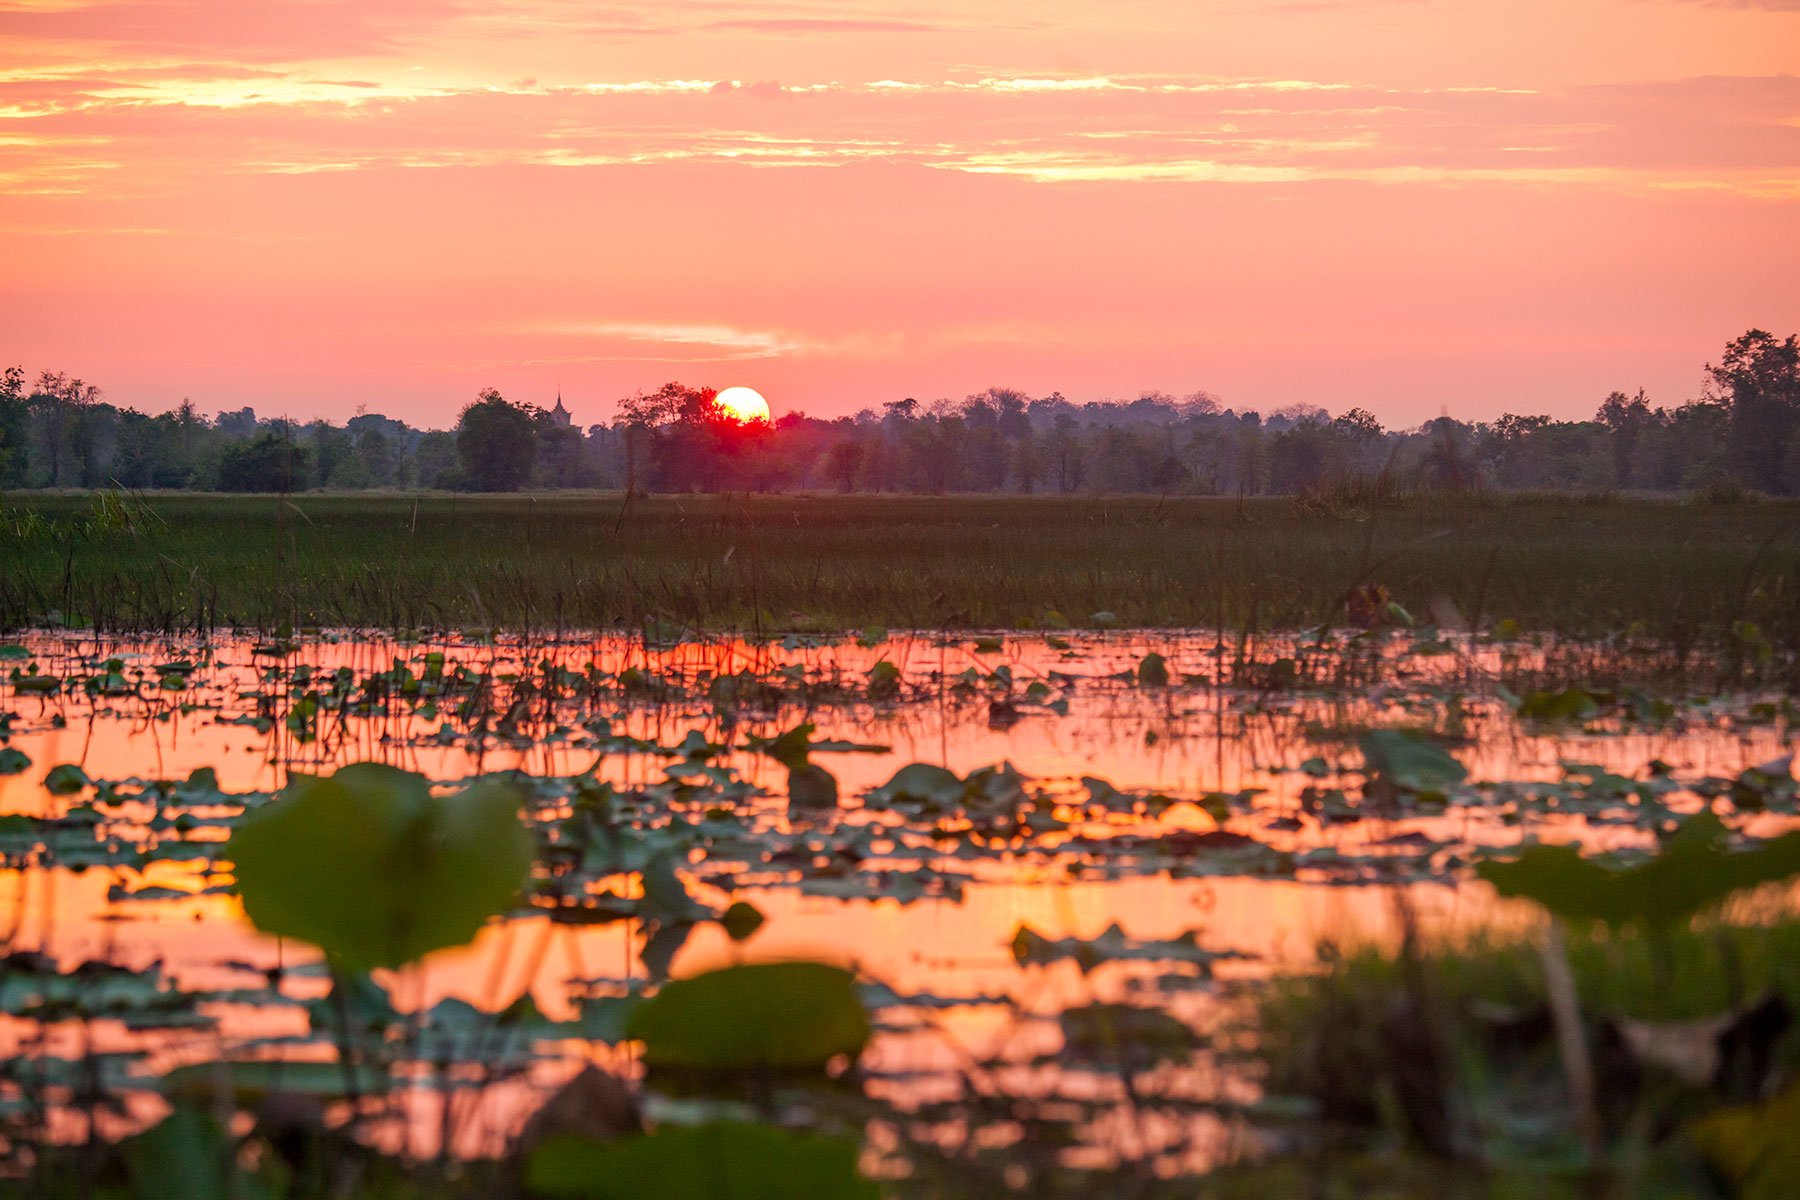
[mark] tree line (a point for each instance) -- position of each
(1742, 432)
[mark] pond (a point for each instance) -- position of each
(1017, 830)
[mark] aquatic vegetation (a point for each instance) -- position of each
(1031, 919)
(1497, 1081)
(728, 1160)
(1658, 583)
(370, 867)
(758, 1016)
(1691, 871)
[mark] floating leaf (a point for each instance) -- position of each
(812, 786)
(666, 898)
(1766, 785)
(31, 985)
(920, 783)
(66, 780)
(1693, 871)
(741, 920)
(1029, 946)
(245, 1083)
(370, 867)
(884, 681)
(718, 1161)
(1002, 786)
(1410, 760)
(660, 948)
(790, 749)
(1570, 704)
(604, 1018)
(13, 762)
(1125, 1034)
(791, 1015)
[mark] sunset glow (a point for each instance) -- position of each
(312, 207)
(743, 404)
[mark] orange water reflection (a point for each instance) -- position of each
(1057, 712)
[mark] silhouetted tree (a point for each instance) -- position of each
(58, 431)
(15, 427)
(238, 424)
(1759, 377)
(436, 463)
(1301, 458)
(496, 442)
(1625, 418)
(60, 403)
(272, 461)
(843, 462)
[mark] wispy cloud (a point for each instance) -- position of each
(1712, 132)
(699, 343)
(792, 25)
(1768, 5)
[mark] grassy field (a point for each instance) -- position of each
(1688, 572)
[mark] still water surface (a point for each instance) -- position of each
(1230, 807)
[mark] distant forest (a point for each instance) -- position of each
(1741, 433)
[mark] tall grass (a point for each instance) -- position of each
(1681, 572)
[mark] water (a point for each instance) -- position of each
(1234, 818)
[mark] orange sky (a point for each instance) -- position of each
(311, 205)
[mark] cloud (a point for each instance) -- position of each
(686, 342)
(263, 31)
(1767, 5)
(764, 90)
(780, 26)
(1712, 132)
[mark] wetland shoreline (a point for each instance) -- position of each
(1691, 576)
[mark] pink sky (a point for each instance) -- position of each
(314, 205)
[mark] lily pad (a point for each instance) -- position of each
(787, 1015)
(718, 1161)
(65, 780)
(1410, 760)
(1693, 871)
(367, 865)
(920, 783)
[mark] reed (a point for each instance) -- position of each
(1688, 574)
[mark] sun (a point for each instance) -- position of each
(743, 404)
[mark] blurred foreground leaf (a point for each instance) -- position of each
(1693, 871)
(246, 1083)
(719, 1161)
(789, 1015)
(1756, 1146)
(189, 1155)
(367, 865)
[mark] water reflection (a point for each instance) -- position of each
(1227, 804)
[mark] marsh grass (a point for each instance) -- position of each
(1685, 574)
(1328, 1040)
(1713, 965)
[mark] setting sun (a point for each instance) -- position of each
(745, 404)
